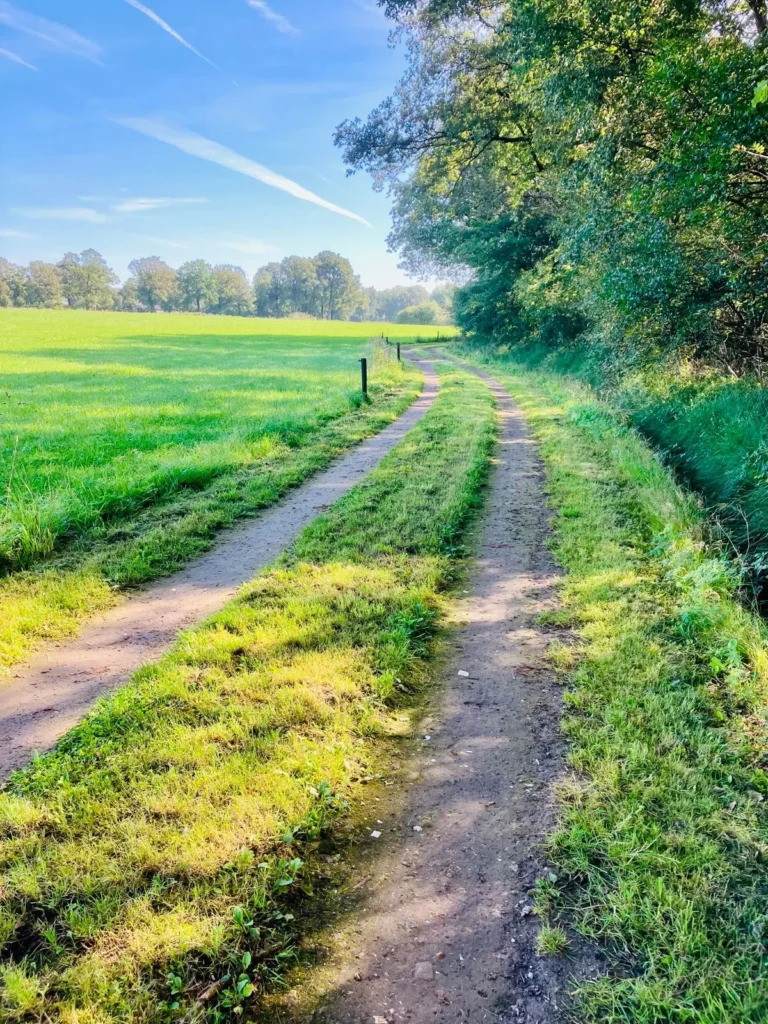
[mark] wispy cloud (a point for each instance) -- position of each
(62, 213)
(171, 31)
(58, 36)
(280, 22)
(205, 149)
(13, 233)
(10, 55)
(141, 203)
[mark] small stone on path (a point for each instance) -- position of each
(424, 971)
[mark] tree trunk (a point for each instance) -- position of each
(760, 16)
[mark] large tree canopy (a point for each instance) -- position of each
(597, 167)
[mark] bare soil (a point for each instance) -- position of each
(445, 930)
(54, 690)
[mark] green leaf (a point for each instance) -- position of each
(760, 94)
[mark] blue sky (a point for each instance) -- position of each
(186, 128)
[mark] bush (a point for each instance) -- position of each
(424, 313)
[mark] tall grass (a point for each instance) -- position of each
(714, 433)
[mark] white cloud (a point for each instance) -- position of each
(10, 55)
(13, 233)
(280, 22)
(251, 246)
(58, 36)
(171, 32)
(62, 213)
(141, 203)
(205, 149)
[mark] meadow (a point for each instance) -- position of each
(128, 440)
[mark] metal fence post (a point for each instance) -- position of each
(364, 375)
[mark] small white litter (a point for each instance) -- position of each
(375, 834)
(463, 674)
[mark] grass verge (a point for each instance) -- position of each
(48, 601)
(710, 427)
(153, 865)
(663, 832)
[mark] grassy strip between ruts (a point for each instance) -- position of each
(152, 863)
(662, 841)
(48, 601)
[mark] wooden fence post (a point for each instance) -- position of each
(364, 375)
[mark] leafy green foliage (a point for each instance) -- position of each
(636, 130)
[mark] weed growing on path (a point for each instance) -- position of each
(153, 863)
(663, 832)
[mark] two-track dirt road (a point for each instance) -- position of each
(446, 932)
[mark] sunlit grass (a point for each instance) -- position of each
(663, 833)
(709, 426)
(128, 440)
(158, 850)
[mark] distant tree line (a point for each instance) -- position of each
(324, 287)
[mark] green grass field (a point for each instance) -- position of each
(128, 440)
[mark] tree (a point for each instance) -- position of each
(637, 130)
(196, 285)
(156, 282)
(337, 286)
(43, 285)
(301, 284)
(12, 284)
(444, 295)
(86, 280)
(231, 293)
(425, 313)
(270, 293)
(391, 300)
(127, 297)
(366, 307)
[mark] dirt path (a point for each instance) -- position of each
(56, 688)
(446, 933)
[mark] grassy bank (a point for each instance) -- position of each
(153, 865)
(663, 833)
(122, 455)
(709, 427)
